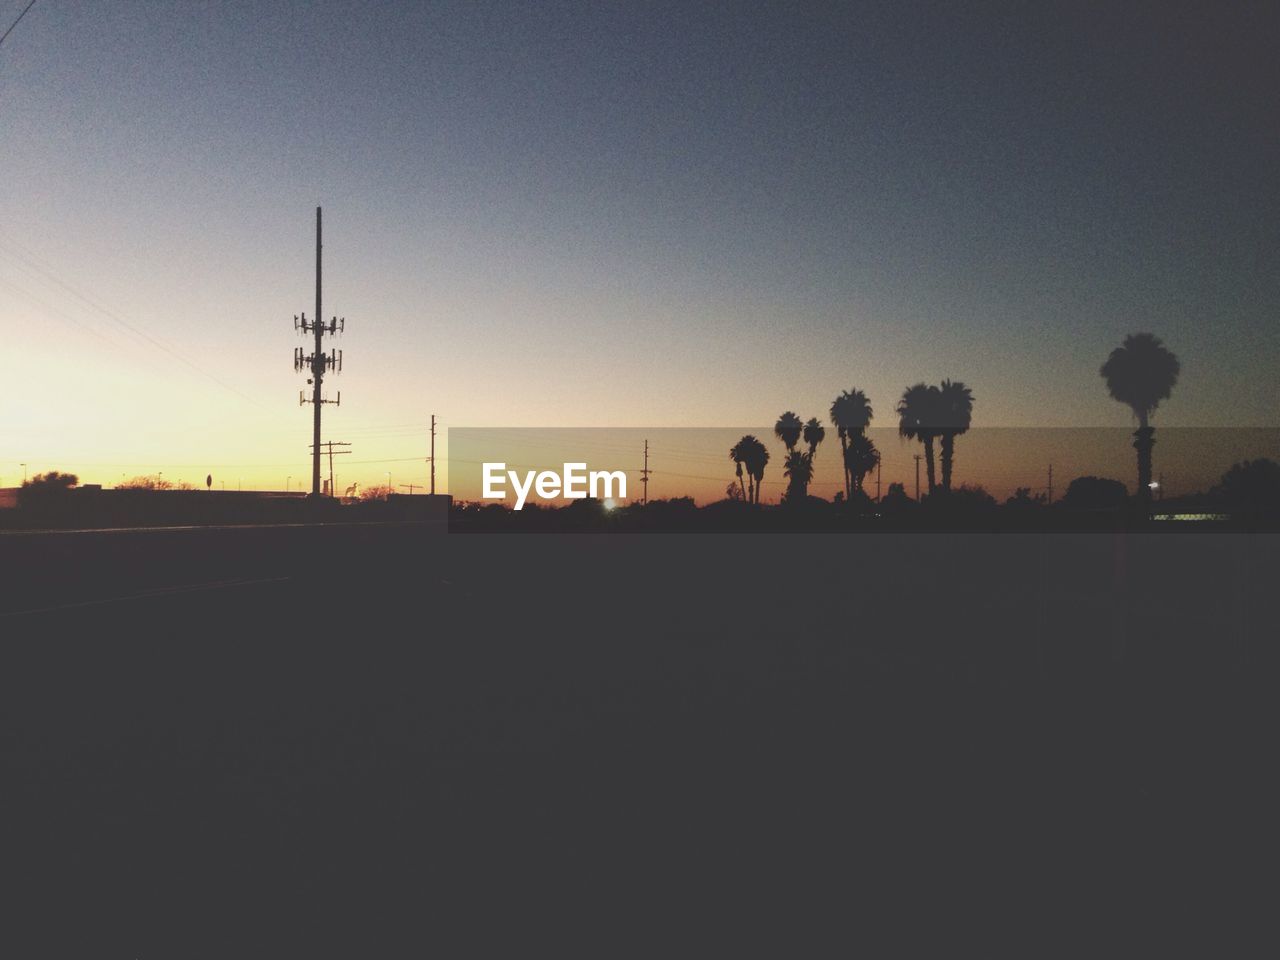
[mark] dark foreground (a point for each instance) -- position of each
(368, 741)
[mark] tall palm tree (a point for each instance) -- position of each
(955, 412)
(757, 458)
(860, 459)
(738, 454)
(750, 457)
(788, 429)
(918, 420)
(814, 434)
(798, 469)
(850, 413)
(1140, 373)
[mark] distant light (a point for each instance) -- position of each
(1154, 485)
(610, 504)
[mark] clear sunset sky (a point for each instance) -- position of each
(618, 214)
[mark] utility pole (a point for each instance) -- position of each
(317, 371)
(329, 445)
(317, 363)
(644, 475)
(878, 465)
(917, 478)
(412, 487)
(1050, 484)
(433, 455)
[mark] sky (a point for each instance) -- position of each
(618, 214)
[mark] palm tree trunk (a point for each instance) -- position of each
(844, 462)
(948, 455)
(928, 461)
(1143, 441)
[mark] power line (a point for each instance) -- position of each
(15, 22)
(33, 263)
(54, 311)
(330, 444)
(529, 436)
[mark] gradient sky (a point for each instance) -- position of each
(619, 214)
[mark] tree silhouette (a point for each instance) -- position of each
(1094, 493)
(955, 411)
(750, 458)
(738, 454)
(798, 469)
(860, 458)
(964, 499)
(788, 429)
(145, 482)
(53, 480)
(755, 460)
(46, 490)
(1251, 485)
(850, 414)
(1140, 373)
(814, 434)
(918, 419)
(1024, 499)
(896, 501)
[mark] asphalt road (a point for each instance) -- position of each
(367, 740)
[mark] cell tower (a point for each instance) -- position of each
(644, 474)
(317, 362)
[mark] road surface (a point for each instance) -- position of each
(338, 740)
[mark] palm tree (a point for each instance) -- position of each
(788, 429)
(798, 469)
(750, 458)
(814, 434)
(757, 458)
(1140, 373)
(850, 413)
(918, 420)
(955, 409)
(860, 459)
(738, 454)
